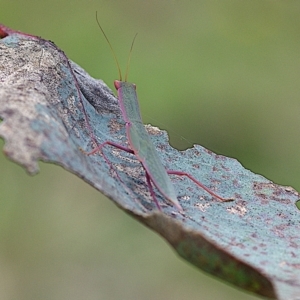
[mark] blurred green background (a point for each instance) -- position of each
(222, 74)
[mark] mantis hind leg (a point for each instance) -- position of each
(180, 173)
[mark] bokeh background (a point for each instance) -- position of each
(222, 74)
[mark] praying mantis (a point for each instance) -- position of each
(139, 141)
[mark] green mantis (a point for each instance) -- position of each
(140, 144)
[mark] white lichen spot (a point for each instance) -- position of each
(152, 129)
(289, 189)
(115, 125)
(71, 101)
(202, 206)
(238, 210)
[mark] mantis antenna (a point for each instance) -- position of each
(129, 58)
(114, 54)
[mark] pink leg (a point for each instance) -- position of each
(99, 148)
(152, 191)
(179, 173)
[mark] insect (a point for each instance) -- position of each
(139, 141)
